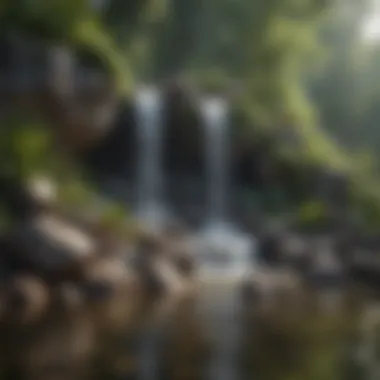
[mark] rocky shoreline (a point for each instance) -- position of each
(52, 262)
(72, 290)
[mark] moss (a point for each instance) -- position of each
(90, 34)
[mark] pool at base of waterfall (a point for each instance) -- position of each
(223, 252)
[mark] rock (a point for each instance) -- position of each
(112, 292)
(68, 298)
(26, 299)
(115, 154)
(18, 200)
(295, 252)
(163, 261)
(269, 247)
(364, 268)
(149, 247)
(185, 264)
(184, 153)
(167, 275)
(43, 191)
(51, 248)
(326, 268)
(178, 248)
(60, 350)
(266, 287)
(104, 277)
(88, 119)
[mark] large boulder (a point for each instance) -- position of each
(161, 267)
(51, 248)
(112, 291)
(105, 277)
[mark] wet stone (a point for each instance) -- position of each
(98, 291)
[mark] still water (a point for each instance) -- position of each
(208, 336)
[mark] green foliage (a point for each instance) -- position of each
(73, 193)
(72, 22)
(312, 213)
(274, 49)
(345, 87)
(90, 34)
(210, 81)
(25, 147)
(48, 19)
(114, 217)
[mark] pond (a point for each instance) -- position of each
(278, 343)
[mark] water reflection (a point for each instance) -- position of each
(277, 343)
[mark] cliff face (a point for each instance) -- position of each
(254, 160)
(91, 121)
(44, 79)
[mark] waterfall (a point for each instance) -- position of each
(231, 249)
(214, 113)
(150, 177)
(225, 253)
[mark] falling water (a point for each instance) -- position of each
(149, 129)
(214, 112)
(220, 236)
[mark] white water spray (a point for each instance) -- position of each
(220, 238)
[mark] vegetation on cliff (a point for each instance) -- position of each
(269, 56)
